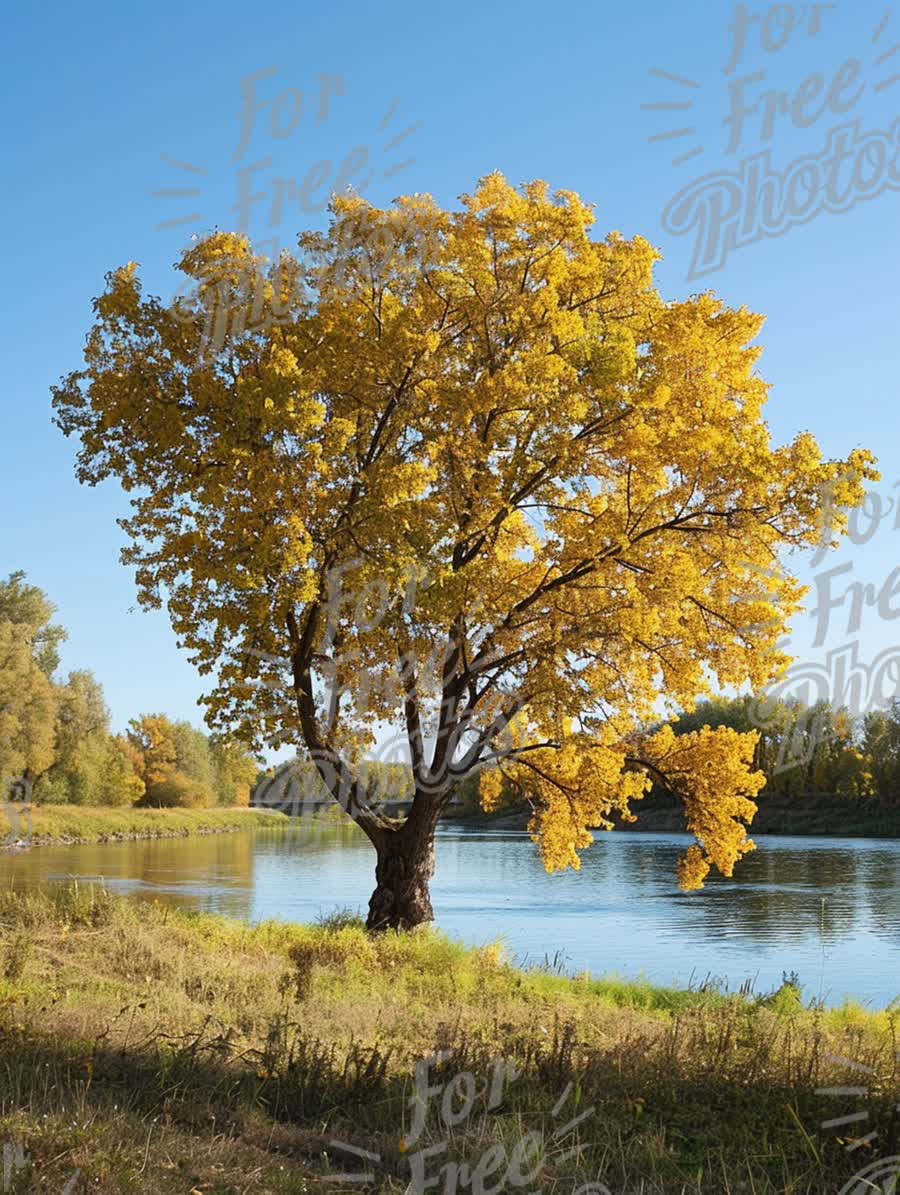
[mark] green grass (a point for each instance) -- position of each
(81, 823)
(154, 1050)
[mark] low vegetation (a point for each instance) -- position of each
(66, 823)
(152, 1050)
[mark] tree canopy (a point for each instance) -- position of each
(466, 473)
(55, 734)
(29, 653)
(181, 766)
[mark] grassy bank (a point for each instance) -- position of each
(151, 1050)
(80, 823)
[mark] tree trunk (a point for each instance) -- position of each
(403, 870)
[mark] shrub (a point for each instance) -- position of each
(340, 919)
(178, 792)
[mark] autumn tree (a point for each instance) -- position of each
(234, 771)
(152, 748)
(26, 709)
(80, 742)
(193, 759)
(170, 761)
(466, 474)
(181, 766)
(881, 747)
(28, 606)
(29, 654)
(118, 782)
(801, 749)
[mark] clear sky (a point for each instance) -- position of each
(107, 105)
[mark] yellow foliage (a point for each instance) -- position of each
(481, 441)
(27, 707)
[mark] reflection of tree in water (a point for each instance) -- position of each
(193, 873)
(317, 836)
(880, 884)
(226, 859)
(217, 873)
(645, 864)
(791, 894)
(768, 916)
(822, 868)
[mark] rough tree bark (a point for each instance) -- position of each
(403, 870)
(405, 850)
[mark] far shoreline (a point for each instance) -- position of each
(78, 825)
(84, 825)
(813, 816)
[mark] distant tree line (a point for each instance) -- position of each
(56, 734)
(812, 749)
(297, 785)
(803, 750)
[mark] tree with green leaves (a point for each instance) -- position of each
(28, 607)
(29, 654)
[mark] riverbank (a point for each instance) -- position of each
(152, 1050)
(817, 815)
(73, 824)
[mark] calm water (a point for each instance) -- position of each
(828, 909)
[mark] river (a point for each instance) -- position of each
(827, 909)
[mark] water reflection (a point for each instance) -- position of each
(828, 909)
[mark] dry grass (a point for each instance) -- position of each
(153, 1050)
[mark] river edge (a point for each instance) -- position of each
(818, 816)
(91, 826)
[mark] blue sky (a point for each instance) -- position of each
(103, 100)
